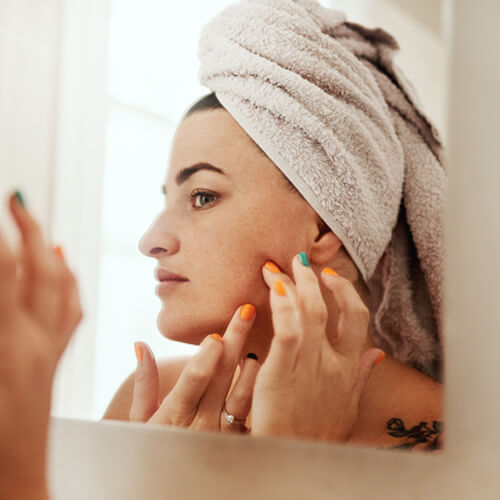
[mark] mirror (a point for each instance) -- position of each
(145, 102)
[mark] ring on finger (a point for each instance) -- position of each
(231, 419)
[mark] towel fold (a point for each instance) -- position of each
(324, 100)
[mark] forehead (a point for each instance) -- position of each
(215, 137)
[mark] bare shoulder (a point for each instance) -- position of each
(400, 408)
(168, 371)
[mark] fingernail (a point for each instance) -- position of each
(329, 271)
(303, 259)
(272, 267)
(216, 336)
(19, 197)
(252, 355)
(247, 312)
(379, 359)
(138, 351)
(59, 251)
(280, 288)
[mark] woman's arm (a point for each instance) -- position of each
(400, 408)
(39, 310)
(312, 387)
(309, 386)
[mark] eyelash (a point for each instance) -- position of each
(199, 192)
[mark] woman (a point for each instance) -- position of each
(313, 145)
(231, 230)
(249, 255)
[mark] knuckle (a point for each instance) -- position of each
(196, 374)
(344, 284)
(288, 340)
(66, 278)
(315, 310)
(240, 327)
(76, 314)
(40, 271)
(140, 377)
(239, 397)
(284, 307)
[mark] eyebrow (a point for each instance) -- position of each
(187, 172)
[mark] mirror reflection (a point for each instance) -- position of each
(290, 221)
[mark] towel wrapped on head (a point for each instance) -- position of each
(324, 100)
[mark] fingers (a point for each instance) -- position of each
(239, 401)
(43, 274)
(312, 307)
(287, 338)
(146, 385)
(299, 313)
(180, 406)
(235, 337)
(272, 273)
(354, 316)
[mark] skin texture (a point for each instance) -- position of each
(222, 247)
(221, 229)
(220, 242)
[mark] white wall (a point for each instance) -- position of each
(29, 56)
(52, 127)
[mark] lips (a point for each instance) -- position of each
(164, 275)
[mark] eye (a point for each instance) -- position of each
(203, 198)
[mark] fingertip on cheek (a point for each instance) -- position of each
(271, 266)
(329, 271)
(302, 258)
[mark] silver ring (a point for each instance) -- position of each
(231, 419)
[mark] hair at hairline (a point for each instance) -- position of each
(210, 101)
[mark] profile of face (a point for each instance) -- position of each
(228, 210)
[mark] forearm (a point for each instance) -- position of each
(23, 481)
(19, 492)
(23, 463)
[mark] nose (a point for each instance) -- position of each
(158, 241)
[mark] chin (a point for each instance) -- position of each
(181, 331)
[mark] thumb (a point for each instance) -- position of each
(146, 384)
(369, 359)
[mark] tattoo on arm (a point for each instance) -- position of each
(418, 434)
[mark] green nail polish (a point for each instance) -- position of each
(303, 259)
(19, 197)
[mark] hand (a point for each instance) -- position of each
(39, 310)
(307, 387)
(201, 391)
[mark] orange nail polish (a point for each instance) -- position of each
(247, 312)
(216, 336)
(280, 288)
(59, 251)
(272, 267)
(379, 359)
(329, 271)
(138, 351)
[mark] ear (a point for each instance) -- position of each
(325, 246)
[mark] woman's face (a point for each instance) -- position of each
(221, 223)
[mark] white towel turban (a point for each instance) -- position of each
(324, 100)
